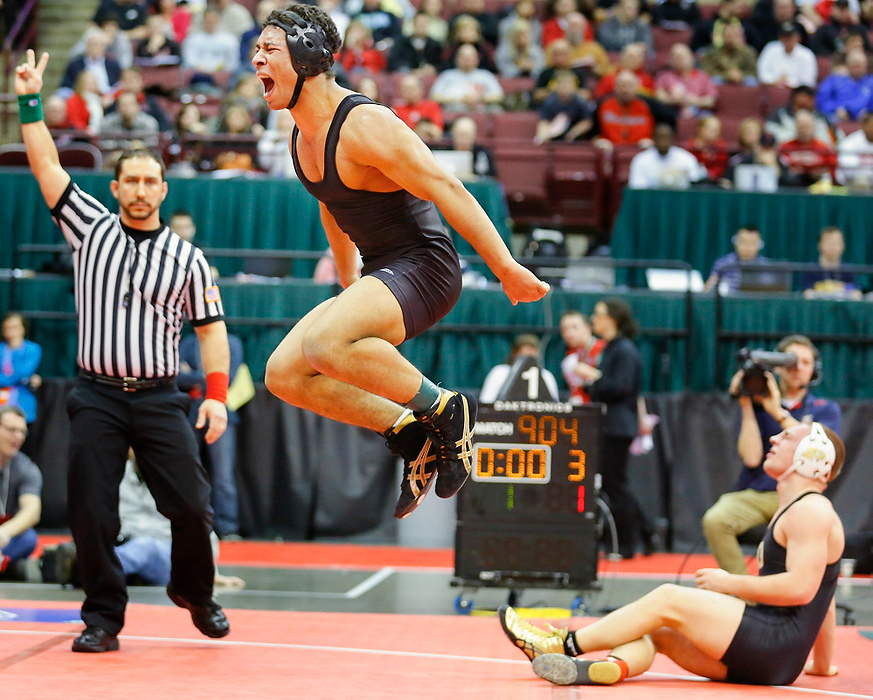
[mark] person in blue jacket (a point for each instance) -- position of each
(19, 359)
(221, 454)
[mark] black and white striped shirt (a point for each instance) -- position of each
(131, 297)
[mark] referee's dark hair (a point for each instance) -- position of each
(139, 153)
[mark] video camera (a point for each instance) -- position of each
(755, 363)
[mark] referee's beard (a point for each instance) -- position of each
(137, 213)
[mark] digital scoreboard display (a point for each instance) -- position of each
(528, 514)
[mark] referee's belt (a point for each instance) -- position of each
(127, 383)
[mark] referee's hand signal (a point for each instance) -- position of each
(28, 75)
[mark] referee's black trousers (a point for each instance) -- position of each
(104, 422)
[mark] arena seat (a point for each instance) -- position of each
(576, 184)
(774, 97)
(517, 90)
(739, 100)
(825, 63)
(208, 147)
(80, 155)
(13, 155)
(621, 158)
(686, 128)
(663, 39)
(220, 78)
(168, 77)
(515, 126)
(523, 169)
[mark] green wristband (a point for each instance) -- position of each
(29, 108)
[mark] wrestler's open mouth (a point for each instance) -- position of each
(268, 85)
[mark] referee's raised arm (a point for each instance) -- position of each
(41, 150)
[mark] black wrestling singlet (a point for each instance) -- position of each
(381, 224)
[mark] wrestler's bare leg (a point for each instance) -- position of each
(694, 627)
(340, 360)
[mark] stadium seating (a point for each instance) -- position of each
(13, 155)
(576, 184)
(739, 100)
(80, 155)
(523, 170)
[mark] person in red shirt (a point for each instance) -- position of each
(358, 53)
(85, 105)
(422, 115)
(624, 119)
(710, 149)
(555, 25)
(805, 157)
(633, 58)
(583, 347)
(683, 86)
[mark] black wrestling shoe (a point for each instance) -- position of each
(95, 640)
(209, 619)
(565, 670)
(410, 442)
(450, 426)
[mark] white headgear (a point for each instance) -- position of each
(814, 457)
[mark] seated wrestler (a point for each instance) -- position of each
(711, 630)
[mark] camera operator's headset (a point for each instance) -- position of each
(307, 44)
(814, 457)
(803, 340)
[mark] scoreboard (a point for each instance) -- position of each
(528, 514)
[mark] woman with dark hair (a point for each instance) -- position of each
(616, 382)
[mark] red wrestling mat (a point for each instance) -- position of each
(352, 556)
(332, 656)
(312, 555)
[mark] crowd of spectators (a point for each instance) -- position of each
(602, 72)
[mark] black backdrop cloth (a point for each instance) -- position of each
(302, 477)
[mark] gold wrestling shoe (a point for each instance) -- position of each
(409, 441)
(450, 426)
(566, 670)
(533, 641)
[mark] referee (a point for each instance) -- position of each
(135, 280)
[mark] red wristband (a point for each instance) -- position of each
(216, 386)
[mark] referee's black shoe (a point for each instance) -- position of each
(209, 619)
(95, 640)
(450, 425)
(410, 441)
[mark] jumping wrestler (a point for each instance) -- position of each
(710, 630)
(378, 187)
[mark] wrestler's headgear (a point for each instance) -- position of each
(307, 45)
(814, 457)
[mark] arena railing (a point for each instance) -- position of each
(553, 265)
(726, 338)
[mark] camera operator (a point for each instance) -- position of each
(787, 402)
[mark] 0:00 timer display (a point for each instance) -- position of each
(512, 463)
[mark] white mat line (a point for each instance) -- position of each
(370, 582)
(410, 654)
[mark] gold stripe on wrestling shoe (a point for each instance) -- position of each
(419, 475)
(565, 670)
(419, 478)
(465, 444)
(533, 641)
